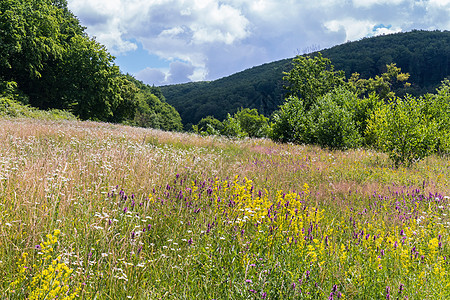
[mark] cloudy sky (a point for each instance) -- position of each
(173, 41)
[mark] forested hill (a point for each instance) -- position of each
(425, 55)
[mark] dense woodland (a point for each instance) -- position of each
(49, 62)
(425, 55)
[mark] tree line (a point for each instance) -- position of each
(323, 107)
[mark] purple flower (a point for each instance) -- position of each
(38, 247)
(248, 281)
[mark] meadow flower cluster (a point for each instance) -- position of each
(48, 278)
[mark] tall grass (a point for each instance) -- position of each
(145, 214)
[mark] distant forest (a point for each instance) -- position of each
(425, 55)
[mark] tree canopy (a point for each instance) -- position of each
(45, 51)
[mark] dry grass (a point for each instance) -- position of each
(59, 174)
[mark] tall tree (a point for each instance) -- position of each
(46, 51)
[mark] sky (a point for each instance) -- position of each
(164, 42)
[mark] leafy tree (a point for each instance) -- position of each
(152, 109)
(232, 128)
(382, 85)
(251, 122)
(209, 126)
(312, 77)
(56, 65)
(437, 107)
(333, 120)
(292, 123)
(404, 130)
(244, 123)
(330, 122)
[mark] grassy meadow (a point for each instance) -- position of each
(100, 211)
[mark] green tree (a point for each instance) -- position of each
(152, 109)
(404, 130)
(383, 85)
(312, 77)
(55, 64)
(437, 107)
(209, 126)
(292, 123)
(251, 122)
(333, 120)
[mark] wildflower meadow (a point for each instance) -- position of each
(101, 211)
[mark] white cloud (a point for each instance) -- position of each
(152, 76)
(440, 3)
(207, 39)
(385, 30)
(354, 29)
(369, 3)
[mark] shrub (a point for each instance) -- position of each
(333, 119)
(232, 128)
(208, 126)
(291, 123)
(329, 122)
(438, 108)
(252, 123)
(404, 130)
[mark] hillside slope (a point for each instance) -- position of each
(423, 54)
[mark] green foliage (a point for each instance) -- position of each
(333, 120)
(251, 122)
(209, 126)
(362, 109)
(423, 54)
(404, 130)
(56, 65)
(329, 123)
(382, 85)
(152, 110)
(312, 77)
(244, 123)
(438, 109)
(12, 108)
(291, 123)
(95, 88)
(232, 128)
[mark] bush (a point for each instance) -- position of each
(333, 119)
(329, 123)
(404, 130)
(438, 108)
(232, 128)
(208, 126)
(291, 123)
(252, 123)
(244, 123)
